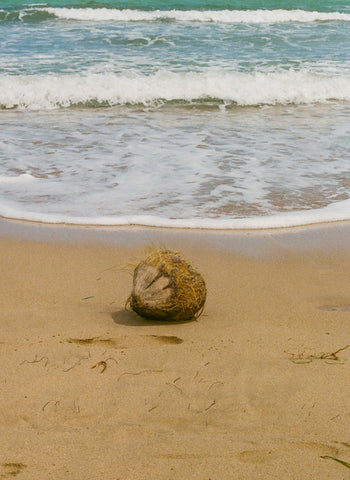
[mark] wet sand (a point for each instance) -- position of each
(250, 390)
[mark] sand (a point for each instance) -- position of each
(91, 391)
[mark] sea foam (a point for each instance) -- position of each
(339, 211)
(47, 92)
(216, 16)
(18, 179)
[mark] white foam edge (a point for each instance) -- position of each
(20, 179)
(339, 211)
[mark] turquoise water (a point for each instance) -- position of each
(216, 114)
(317, 5)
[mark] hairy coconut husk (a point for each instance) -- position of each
(167, 287)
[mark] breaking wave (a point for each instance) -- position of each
(214, 16)
(47, 92)
(217, 16)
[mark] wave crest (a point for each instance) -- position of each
(217, 16)
(47, 92)
(212, 16)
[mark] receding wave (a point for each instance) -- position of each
(214, 16)
(335, 212)
(47, 92)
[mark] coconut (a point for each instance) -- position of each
(167, 287)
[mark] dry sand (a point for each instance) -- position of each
(89, 391)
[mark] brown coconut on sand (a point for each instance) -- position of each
(167, 287)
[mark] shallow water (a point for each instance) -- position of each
(166, 114)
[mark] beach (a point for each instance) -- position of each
(255, 388)
(219, 129)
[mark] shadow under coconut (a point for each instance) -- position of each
(127, 317)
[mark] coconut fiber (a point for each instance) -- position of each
(167, 287)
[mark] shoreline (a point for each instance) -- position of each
(255, 388)
(328, 236)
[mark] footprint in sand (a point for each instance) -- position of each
(11, 469)
(261, 455)
(128, 341)
(167, 339)
(335, 308)
(255, 456)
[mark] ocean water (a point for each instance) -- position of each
(187, 113)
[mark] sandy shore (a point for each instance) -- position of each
(91, 391)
